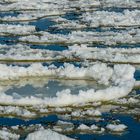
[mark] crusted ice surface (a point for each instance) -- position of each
(47, 135)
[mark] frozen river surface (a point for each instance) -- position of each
(69, 69)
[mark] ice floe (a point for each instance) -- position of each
(47, 135)
(116, 127)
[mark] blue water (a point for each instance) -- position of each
(49, 47)
(137, 75)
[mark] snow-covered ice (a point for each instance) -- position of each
(46, 135)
